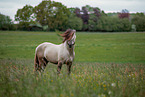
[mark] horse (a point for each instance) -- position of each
(57, 54)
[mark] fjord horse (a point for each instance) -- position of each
(57, 54)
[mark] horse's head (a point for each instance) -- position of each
(69, 37)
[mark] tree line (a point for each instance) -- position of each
(50, 16)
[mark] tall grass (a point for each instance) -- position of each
(86, 79)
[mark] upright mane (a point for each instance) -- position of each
(67, 35)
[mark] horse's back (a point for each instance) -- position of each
(41, 48)
(48, 50)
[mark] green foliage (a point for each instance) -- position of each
(36, 26)
(85, 27)
(139, 21)
(53, 14)
(75, 23)
(93, 21)
(6, 23)
(24, 26)
(25, 14)
(110, 24)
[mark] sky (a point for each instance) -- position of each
(10, 7)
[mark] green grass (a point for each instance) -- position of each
(106, 65)
(90, 47)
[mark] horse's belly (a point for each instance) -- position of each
(51, 55)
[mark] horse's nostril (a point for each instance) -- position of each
(70, 46)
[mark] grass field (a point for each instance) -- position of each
(106, 65)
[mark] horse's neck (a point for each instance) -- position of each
(70, 50)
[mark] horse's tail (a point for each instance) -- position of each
(36, 62)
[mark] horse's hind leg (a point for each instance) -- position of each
(36, 63)
(39, 66)
(45, 62)
(42, 64)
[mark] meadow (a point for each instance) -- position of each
(106, 65)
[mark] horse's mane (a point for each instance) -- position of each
(68, 34)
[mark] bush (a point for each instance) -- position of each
(139, 21)
(5, 23)
(75, 23)
(113, 24)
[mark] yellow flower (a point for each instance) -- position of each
(72, 94)
(105, 89)
(61, 95)
(104, 85)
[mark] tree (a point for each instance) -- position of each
(78, 12)
(26, 14)
(85, 15)
(25, 17)
(75, 22)
(139, 21)
(5, 23)
(53, 14)
(94, 17)
(124, 14)
(113, 24)
(72, 10)
(93, 21)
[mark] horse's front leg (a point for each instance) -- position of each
(69, 64)
(59, 67)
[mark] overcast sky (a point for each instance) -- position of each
(10, 7)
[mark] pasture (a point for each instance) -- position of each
(106, 65)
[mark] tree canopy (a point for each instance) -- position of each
(53, 14)
(5, 23)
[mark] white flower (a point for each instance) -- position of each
(109, 92)
(101, 95)
(113, 85)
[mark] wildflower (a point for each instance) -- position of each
(72, 94)
(16, 80)
(51, 80)
(105, 89)
(101, 95)
(113, 85)
(14, 92)
(61, 95)
(104, 85)
(109, 92)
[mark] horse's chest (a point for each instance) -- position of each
(66, 57)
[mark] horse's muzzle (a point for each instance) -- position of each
(70, 44)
